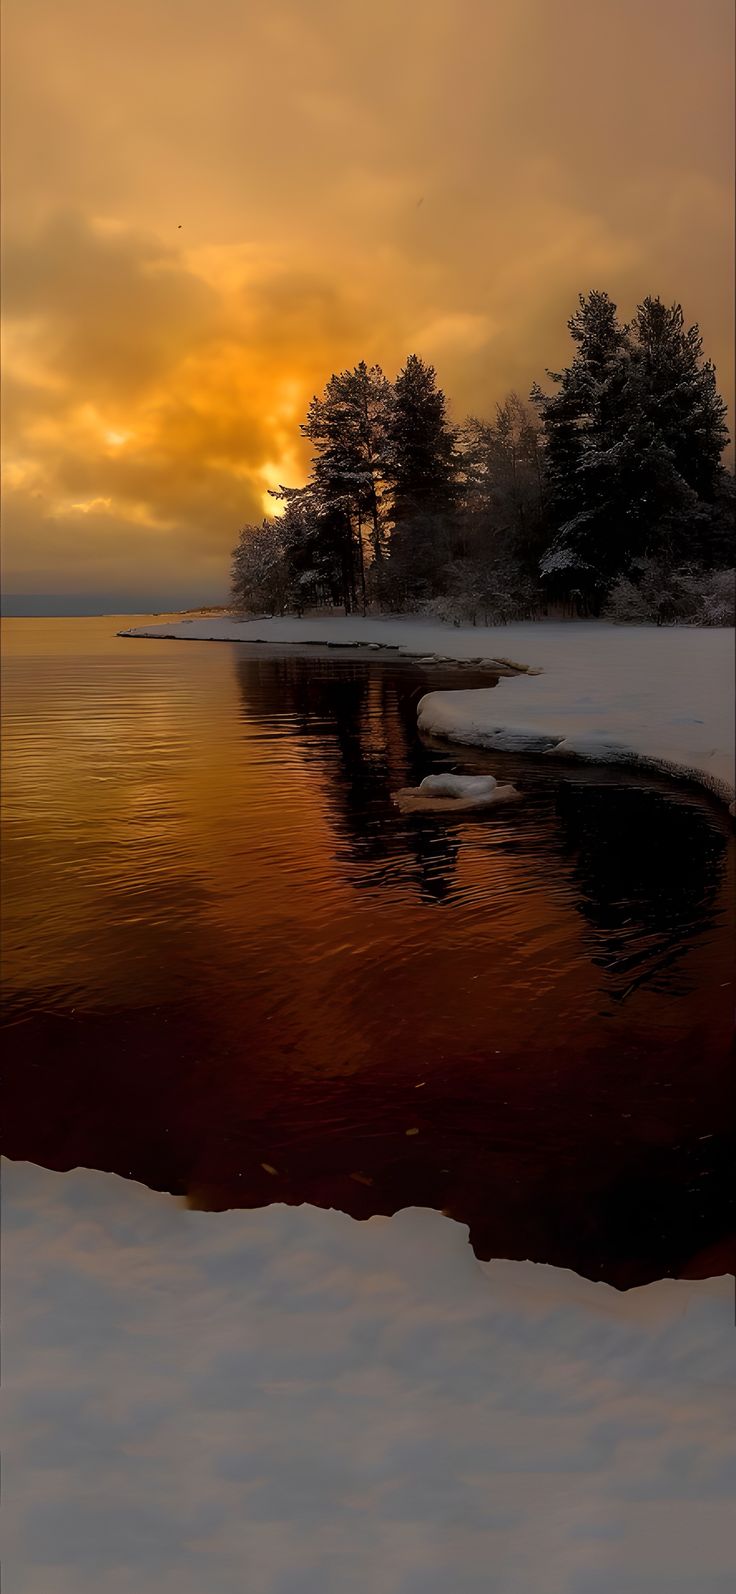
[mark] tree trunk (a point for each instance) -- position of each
(361, 562)
(377, 549)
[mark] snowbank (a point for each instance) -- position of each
(287, 1399)
(659, 698)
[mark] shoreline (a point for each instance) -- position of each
(647, 697)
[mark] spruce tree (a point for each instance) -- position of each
(347, 427)
(422, 470)
(680, 394)
(680, 404)
(583, 428)
(633, 438)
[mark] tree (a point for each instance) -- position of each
(502, 486)
(681, 407)
(679, 394)
(347, 427)
(319, 550)
(666, 594)
(633, 437)
(613, 475)
(259, 576)
(582, 427)
(422, 471)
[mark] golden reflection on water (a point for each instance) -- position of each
(228, 948)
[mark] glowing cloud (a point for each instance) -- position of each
(207, 214)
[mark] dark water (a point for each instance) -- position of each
(235, 972)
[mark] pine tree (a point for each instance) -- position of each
(680, 394)
(583, 428)
(347, 427)
(422, 470)
(633, 439)
(680, 402)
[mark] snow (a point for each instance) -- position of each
(454, 792)
(658, 697)
(561, 557)
(458, 785)
(285, 1399)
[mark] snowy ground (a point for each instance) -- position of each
(658, 697)
(289, 1402)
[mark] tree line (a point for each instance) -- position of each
(588, 496)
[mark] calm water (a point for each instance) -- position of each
(234, 971)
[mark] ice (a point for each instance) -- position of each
(458, 785)
(453, 792)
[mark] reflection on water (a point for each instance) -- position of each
(235, 971)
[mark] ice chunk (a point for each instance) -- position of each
(457, 785)
(452, 793)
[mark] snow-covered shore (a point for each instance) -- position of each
(285, 1399)
(660, 698)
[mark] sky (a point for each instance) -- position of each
(208, 207)
(294, 1403)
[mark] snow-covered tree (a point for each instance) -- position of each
(633, 436)
(488, 591)
(681, 408)
(319, 547)
(609, 477)
(662, 594)
(259, 578)
(679, 394)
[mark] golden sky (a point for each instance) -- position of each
(212, 204)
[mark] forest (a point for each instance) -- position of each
(603, 492)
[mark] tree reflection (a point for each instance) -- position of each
(356, 723)
(641, 863)
(647, 867)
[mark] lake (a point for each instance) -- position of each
(235, 972)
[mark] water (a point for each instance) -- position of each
(235, 972)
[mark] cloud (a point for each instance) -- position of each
(204, 220)
(151, 425)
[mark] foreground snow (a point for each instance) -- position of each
(660, 698)
(285, 1400)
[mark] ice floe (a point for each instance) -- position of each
(453, 792)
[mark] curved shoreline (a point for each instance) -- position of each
(506, 738)
(656, 699)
